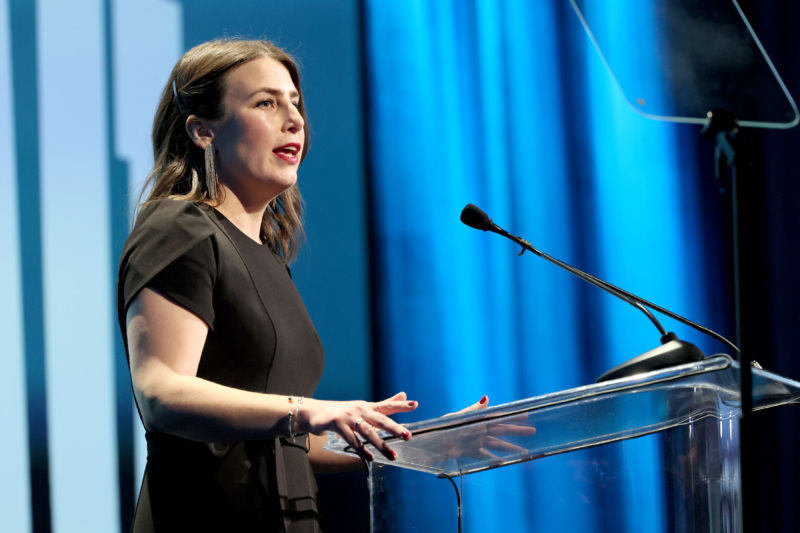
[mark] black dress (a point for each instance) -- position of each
(260, 339)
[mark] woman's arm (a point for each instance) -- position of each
(165, 342)
(325, 461)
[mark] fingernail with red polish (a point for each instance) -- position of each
(484, 399)
(405, 435)
(412, 404)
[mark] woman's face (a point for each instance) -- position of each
(260, 137)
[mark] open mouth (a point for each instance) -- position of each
(288, 152)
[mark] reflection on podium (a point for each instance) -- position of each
(584, 438)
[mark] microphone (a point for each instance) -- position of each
(473, 217)
(672, 350)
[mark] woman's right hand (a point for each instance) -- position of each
(355, 419)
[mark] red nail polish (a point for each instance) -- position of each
(412, 404)
(484, 399)
(405, 435)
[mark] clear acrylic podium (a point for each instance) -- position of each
(691, 410)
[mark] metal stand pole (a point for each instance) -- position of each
(723, 126)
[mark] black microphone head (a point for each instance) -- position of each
(473, 217)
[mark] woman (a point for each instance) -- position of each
(223, 356)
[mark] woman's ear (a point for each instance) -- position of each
(199, 131)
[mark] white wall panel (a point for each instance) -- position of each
(141, 68)
(78, 298)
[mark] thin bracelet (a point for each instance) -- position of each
(292, 416)
(291, 426)
(292, 419)
(289, 422)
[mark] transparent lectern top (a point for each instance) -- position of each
(676, 60)
(580, 418)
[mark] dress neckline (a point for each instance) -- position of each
(229, 224)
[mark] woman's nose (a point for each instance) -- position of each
(294, 121)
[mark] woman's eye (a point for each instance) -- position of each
(267, 103)
(296, 104)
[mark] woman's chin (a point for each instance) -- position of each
(264, 188)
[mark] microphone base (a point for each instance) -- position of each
(672, 353)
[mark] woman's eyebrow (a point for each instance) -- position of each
(275, 92)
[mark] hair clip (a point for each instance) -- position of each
(177, 98)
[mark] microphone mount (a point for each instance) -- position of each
(672, 350)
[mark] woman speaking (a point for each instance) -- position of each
(223, 356)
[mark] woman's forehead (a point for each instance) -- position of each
(263, 74)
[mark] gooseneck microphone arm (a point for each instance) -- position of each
(473, 217)
(581, 274)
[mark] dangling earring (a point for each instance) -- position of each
(211, 172)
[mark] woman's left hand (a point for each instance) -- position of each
(485, 439)
(483, 403)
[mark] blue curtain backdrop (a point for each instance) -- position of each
(506, 105)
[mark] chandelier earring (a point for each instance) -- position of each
(211, 172)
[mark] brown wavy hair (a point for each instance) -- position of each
(179, 165)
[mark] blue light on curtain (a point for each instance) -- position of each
(506, 105)
(634, 178)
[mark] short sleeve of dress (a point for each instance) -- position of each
(172, 249)
(189, 281)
